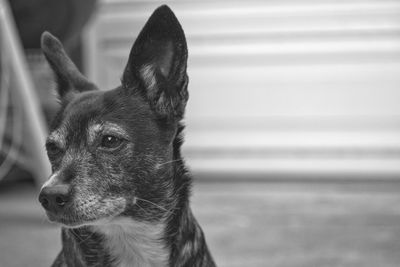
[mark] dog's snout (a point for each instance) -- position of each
(54, 198)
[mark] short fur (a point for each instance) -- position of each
(119, 186)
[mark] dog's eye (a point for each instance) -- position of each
(109, 141)
(53, 149)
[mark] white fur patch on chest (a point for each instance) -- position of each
(135, 244)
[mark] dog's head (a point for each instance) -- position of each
(111, 151)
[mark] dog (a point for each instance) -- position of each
(119, 186)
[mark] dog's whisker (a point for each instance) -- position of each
(76, 235)
(82, 241)
(168, 162)
(145, 211)
(158, 206)
(150, 215)
(168, 211)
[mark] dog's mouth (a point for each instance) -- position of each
(87, 212)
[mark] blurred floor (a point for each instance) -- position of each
(248, 224)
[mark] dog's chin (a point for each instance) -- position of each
(68, 221)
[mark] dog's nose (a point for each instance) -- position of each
(54, 198)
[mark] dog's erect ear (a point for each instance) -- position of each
(158, 62)
(69, 79)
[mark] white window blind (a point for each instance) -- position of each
(276, 87)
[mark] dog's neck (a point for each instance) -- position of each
(136, 244)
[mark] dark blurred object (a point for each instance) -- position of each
(63, 18)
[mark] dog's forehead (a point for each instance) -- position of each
(76, 107)
(83, 103)
(92, 112)
(76, 115)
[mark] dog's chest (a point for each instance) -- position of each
(135, 244)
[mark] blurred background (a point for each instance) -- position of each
(293, 123)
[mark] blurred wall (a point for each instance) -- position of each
(276, 87)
